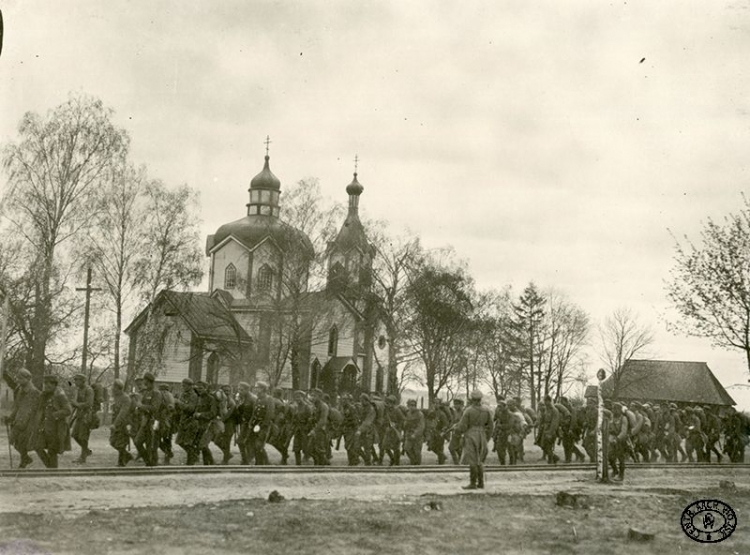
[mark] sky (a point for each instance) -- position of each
(561, 142)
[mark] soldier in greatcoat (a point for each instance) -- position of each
(53, 434)
(414, 425)
(318, 436)
(261, 423)
(366, 431)
(206, 412)
(245, 408)
(119, 437)
(394, 428)
(302, 415)
(184, 424)
(23, 415)
(476, 425)
(349, 427)
(82, 402)
(148, 412)
(229, 418)
(455, 445)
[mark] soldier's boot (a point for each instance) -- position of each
(396, 461)
(208, 457)
(441, 458)
(480, 477)
(500, 458)
(52, 459)
(298, 458)
(43, 457)
(454, 457)
(119, 459)
(126, 457)
(82, 458)
(472, 478)
(26, 460)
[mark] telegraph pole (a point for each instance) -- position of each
(88, 289)
(4, 332)
(602, 471)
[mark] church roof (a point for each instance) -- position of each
(251, 230)
(351, 235)
(336, 364)
(668, 380)
(204, 314)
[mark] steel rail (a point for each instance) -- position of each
(95, 472)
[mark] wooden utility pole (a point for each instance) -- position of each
(88, 289)
(4, 333)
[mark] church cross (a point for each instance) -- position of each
(268, 142)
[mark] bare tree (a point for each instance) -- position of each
(622, 337)
(53, 172)
(710, 284)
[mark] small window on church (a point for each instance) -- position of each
(333, 341)
(230, 277)
(265, 278)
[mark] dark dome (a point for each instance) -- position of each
(354, 188)
(265, 179)
(253, 229)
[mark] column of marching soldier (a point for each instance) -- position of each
(146, 422)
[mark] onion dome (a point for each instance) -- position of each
(355, 187)
(265, 179)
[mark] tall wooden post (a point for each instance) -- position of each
(88, 289)
(602, 474)
(4, 333)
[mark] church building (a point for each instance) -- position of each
(258, 321)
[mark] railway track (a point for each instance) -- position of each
(94, 472)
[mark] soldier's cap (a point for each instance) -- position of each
(51, 378)
(672, 406)
(616, 405)
(225, 386)
(317, 391)
(411, 402)
(458, 401)
(364, 396)
(501, 401)
(188, 381)
(261, 385)
(243, 385)
(201, 382)
(646, 406)
(163, 386)
(118, 383)
(138, 379)
(391, 400)
(476, 395)
(23, 373)
(149, 377)
(79, 377)
(299, 393)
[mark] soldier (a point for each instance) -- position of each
(502, 430)
(228, 415)
(318, 435)
(440, 424)
(366, 432)
(350, 425)
(23, 415)
(82, 403)
(414, 426)
(476, 425)
(518, 431)
(166, 422)
(572, 433)
(549, 422)
(380, 427)
(245, 406)
(590, 418)
(694, 439)
(713, 433)
(147, 414)
(335, 423)
(52, 436)
(302, 415)
(618, 441)
(205, 415)
(261, 423)
(664, 433)
(281, 433)
(391, 442)
(119, 438)
(184, 424)
(455, 445)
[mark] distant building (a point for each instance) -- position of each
(258, 321)
(666, 380)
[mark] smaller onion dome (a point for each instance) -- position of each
(355, 187)
(266, 179)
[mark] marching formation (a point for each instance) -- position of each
(150, 421)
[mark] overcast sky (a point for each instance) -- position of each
(554, 141)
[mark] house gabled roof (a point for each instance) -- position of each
(206, 315)
(668, 380)
(336, 364)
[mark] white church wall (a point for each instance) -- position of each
(231, 253)
(175, 357)
(264, 254)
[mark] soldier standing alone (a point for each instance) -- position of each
(476, 425)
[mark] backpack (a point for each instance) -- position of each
(98, 396)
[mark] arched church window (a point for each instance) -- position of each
(315, 374)
(333, 341)
(230, 277)
(265, 278)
